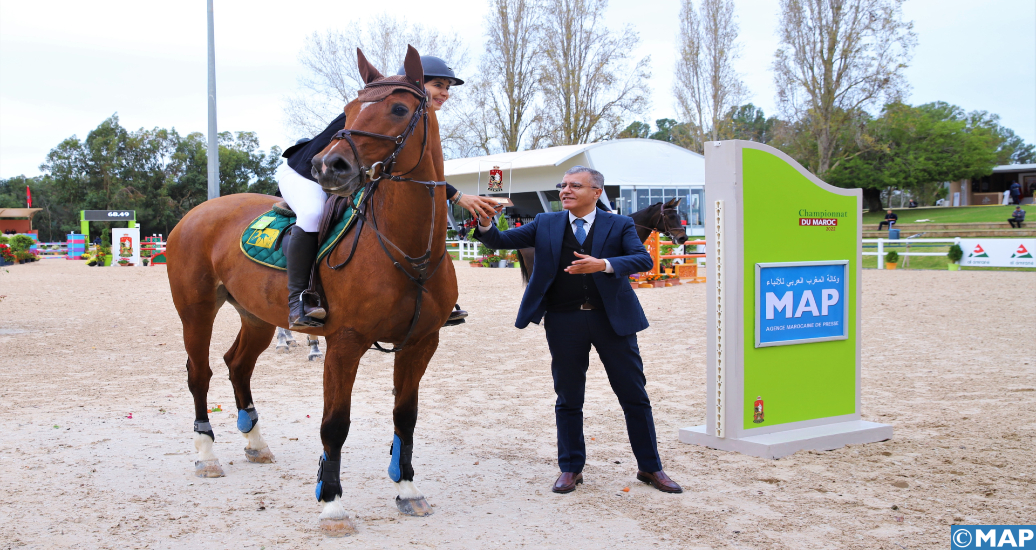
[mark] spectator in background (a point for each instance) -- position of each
(913, 203)
(1017, 217)
(890, 220)
(1016, 192)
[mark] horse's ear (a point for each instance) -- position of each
(674, 203)
(367, 71)
(412, 67)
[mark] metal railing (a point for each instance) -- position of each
(922, 243)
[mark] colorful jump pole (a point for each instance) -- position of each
(783, 296)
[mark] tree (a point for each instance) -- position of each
(589, 82)
(749, 122)
(917, 149)
(158, 173)
(508, 71)
(707, 86)
(636, 129)
(332, 79)
(837, 58)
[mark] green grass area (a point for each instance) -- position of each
(931, 262)
(962, 214)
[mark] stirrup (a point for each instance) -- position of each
(457, 317)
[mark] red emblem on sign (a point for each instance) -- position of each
(758, 411)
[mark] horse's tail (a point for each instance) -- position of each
(525, 259)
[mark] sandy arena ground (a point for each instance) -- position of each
(948, 359)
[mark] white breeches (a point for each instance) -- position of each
(304, 196)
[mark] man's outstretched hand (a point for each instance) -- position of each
(586, 264)
(480, 207)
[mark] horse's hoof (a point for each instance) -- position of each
(262, 456)
(337, 527)
(315, 355)
(414, 506)
(208, 468)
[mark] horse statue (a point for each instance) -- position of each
(398, 287)
(661, 217)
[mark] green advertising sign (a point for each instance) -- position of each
(805, 381)
(783, 294)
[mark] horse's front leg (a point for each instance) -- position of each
(410, 366)
(344, 351)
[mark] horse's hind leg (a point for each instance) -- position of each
(285, 340)
(253, 339)
(197, 319)
(314, 348)
(410, 366)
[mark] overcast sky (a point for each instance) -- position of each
(66, 66)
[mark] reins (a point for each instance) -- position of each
(370, 177)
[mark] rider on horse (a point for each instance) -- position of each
(306, 198)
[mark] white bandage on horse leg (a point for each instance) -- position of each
(334, 510)
(203, 443)
(408, 491)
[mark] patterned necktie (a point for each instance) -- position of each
(580, 232)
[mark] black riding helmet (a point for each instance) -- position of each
(435, 67)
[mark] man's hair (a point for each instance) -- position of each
(596, 178)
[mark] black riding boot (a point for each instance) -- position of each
(301, 253)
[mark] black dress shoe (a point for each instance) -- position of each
(660, 481)
(566, 482)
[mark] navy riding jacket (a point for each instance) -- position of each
(615, 239)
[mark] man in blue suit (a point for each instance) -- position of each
(580, 288)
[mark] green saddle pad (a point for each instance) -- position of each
(259, 238)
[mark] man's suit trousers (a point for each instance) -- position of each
(569, 336)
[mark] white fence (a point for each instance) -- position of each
(466, 250)
(927, 242)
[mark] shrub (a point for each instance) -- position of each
(892, 257)
(955, 253)
(21, 242)
(4, 239)
(6, 253)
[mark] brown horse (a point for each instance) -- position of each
(660, 217)
(390, 146)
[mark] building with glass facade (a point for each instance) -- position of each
(637, 174)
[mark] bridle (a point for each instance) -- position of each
(662, 220)
(370, 177)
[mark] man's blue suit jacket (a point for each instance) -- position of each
(615, 239)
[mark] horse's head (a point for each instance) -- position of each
(378, 125)
(669, 221)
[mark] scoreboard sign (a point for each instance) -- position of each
(109, 215)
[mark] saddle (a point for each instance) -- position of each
(265, 238)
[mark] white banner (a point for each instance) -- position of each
(998, 252)
(126, 245)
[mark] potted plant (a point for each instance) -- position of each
(6, 254)
(891, 259)
(123, 262)
(955, 254)
(144, 260)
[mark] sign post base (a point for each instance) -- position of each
(781, 444)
